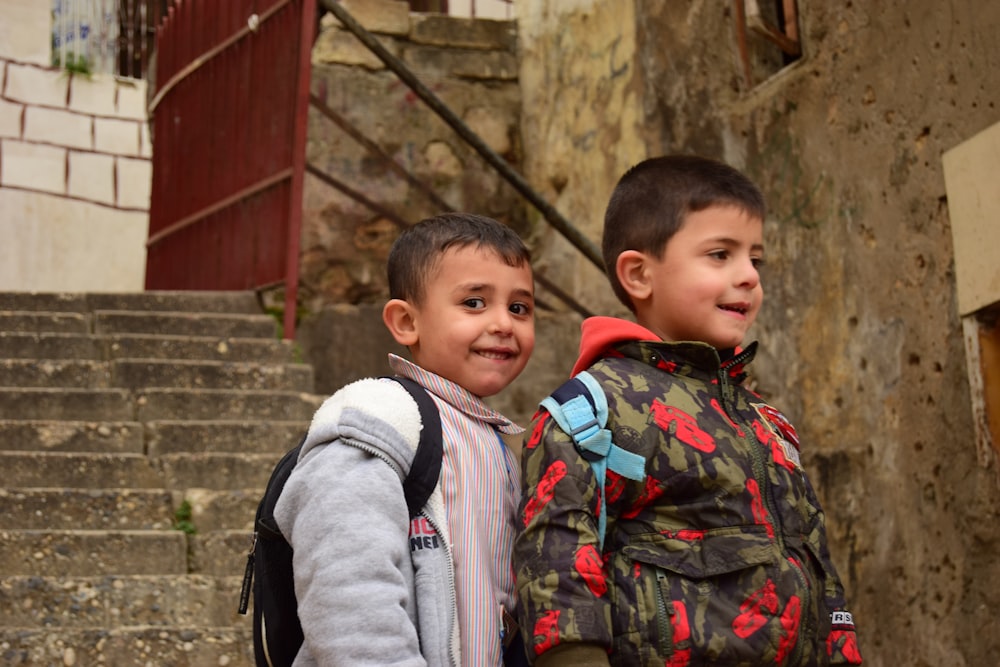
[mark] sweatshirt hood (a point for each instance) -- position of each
(597, 334)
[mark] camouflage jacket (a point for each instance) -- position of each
(719, 557)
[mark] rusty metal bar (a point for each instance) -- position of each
(253, 24)
(739, 7)
(299, 135)
(356, 196)
(561, 224)
(374, 148)
(756, 22)
(402, 224)
(791, 12)
(215, 207)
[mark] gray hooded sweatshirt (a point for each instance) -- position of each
(363, 597)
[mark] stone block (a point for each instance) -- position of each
(91, 176)
(56, 126)
(131, 101)
(388, 17)
(11, 115)
(33, 166)
(440, 30)
(135, 182)
(92, 96)
(341, 47)
(464, 63)
(491, 126)
(120, 137)
(34, 85)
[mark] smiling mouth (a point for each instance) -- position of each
(739, 309)
(495, 354)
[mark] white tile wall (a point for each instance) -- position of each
(135, 178)
(10, 119)
(36, 86)
(32, 166)
(55, 126)
(92, 176)
(120, 137)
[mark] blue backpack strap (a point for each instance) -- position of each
(580, 408)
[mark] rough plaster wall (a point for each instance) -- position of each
(581, 123)
(862, 343)
(345, 243)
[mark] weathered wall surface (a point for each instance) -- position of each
(862, 342)
(472, 67)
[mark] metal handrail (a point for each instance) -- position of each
(554, 218)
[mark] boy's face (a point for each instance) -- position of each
(476, 324)
(706, 286)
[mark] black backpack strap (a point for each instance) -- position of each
(426, 465)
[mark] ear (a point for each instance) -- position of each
(632, 271)
(400, 320)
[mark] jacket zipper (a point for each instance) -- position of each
(767, 497)
(453, 595)
(663, 616)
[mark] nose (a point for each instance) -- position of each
(749, 274)
(501, 323)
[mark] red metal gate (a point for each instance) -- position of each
(229, 132)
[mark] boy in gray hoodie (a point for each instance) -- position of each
(374, 587)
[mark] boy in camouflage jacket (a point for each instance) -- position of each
(719, 555)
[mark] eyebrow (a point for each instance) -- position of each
(489, 287)
(727, 241)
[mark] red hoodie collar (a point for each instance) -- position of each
(600, 333)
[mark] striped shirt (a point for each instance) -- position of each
(480, 479)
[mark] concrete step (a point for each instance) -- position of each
(119, 602)
(220, 553)
(71, 436)
(25, 470)
(209, 348)
(38, 322)
(213, 404)
(249, 437)
(34, 345)
(70, 373)
(209, 302)
(60, 509)
(139, 373)
(81, 346)
(70, 404)
(78, 553)
(218, 471)
(101, 509)
(230, 325)
(184, 646)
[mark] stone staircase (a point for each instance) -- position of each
(137, 432)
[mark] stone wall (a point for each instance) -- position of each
(75, 168)
(862, 342)
(471, 66)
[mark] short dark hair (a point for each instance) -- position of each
(652, 200)
(418, 248)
